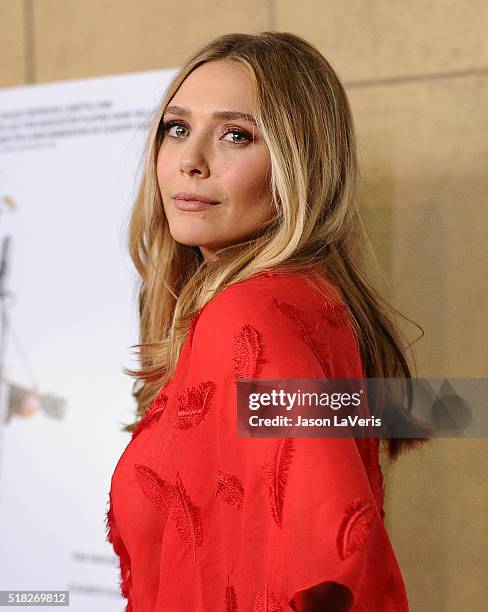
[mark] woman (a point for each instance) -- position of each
(248, 240)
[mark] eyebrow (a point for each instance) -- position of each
(220, 114)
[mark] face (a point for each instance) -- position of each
(222, 157)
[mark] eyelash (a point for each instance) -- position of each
(169, 124)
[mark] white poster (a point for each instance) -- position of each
(69, 163)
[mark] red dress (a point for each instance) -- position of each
(205, 521)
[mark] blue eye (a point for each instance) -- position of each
(240, 133)
(171, 124)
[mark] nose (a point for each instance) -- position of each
(194, 161)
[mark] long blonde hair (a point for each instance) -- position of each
(305, 119)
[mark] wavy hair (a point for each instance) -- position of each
(304, 116)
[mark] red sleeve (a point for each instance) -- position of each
(279, 516)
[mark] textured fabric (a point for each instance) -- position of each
(205, 521)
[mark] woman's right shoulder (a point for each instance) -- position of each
(251, 293)
(257, 297)
(238, 302)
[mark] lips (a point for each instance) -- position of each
(194, 197)
(193, 201)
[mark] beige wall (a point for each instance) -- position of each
(417, 76)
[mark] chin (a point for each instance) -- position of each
(194, 239)
(186, 241)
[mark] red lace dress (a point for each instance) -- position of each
(205, 521)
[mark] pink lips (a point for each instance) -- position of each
(192, 201)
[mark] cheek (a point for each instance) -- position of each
(163, 169)
(247, 181)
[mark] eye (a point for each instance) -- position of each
(242, 134)
(169, 125)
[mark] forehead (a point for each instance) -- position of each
(216, 85)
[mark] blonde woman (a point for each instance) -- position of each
(248, 241)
